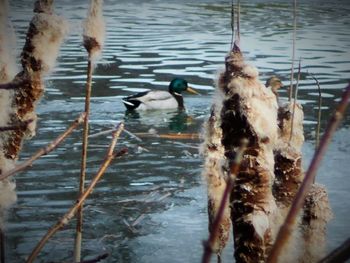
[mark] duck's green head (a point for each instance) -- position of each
(179, 85)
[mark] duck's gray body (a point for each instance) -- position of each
(152, 100)
(160, 100)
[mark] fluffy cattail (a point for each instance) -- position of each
(249, 113)
(316, 215)
(94, 29)
(44, 36)
(213, 172)
(8, 69)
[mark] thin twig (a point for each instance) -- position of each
(293, 51)
(340, 254)
(208, 244)
(238, 35)
(9, 86)
(79, 226)
(319, 115)
(22, 125)
(295, 102)
(287, 227)
(73, 210)
(232, 22)
(45, 150)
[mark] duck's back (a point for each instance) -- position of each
(153, 100)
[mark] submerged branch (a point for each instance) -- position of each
(45, 150)
(287, 227)
(73, 210)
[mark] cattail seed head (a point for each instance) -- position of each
(94, 29)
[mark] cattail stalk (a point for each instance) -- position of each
(295, 102)
(78, 238)
(293, 49)
(73, 210)
(51, 146)
(288, 225)
(93, 37)
(319, 114)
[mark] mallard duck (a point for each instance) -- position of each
(274, 83)
(157, 99)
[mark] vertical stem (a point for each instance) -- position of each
(2, 246)
(288, 225)
(238, 37)
(293, 52)
(232, 23)
(73, 210)
(78, 238)
(319, 115)
(295, 102)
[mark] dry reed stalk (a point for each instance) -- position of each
(293, 47)
(319, 114)
(78, 238)
(295, 102)
(93, 39)
(249, 112)
(73, 210)
(288, 225)
(45, 150)
(340, 254)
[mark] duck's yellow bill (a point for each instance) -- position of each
(191, 90)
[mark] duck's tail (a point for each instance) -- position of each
(131, 104)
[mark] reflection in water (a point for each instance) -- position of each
(148, 43)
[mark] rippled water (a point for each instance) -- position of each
(158, 186)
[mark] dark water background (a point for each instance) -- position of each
(147, 44)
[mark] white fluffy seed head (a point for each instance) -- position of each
(94, 29)
(47, 43)
(8, 67)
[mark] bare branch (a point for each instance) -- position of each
(73, 210)
(45, 150)
(23, 125)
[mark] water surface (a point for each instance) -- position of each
(158, 186)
